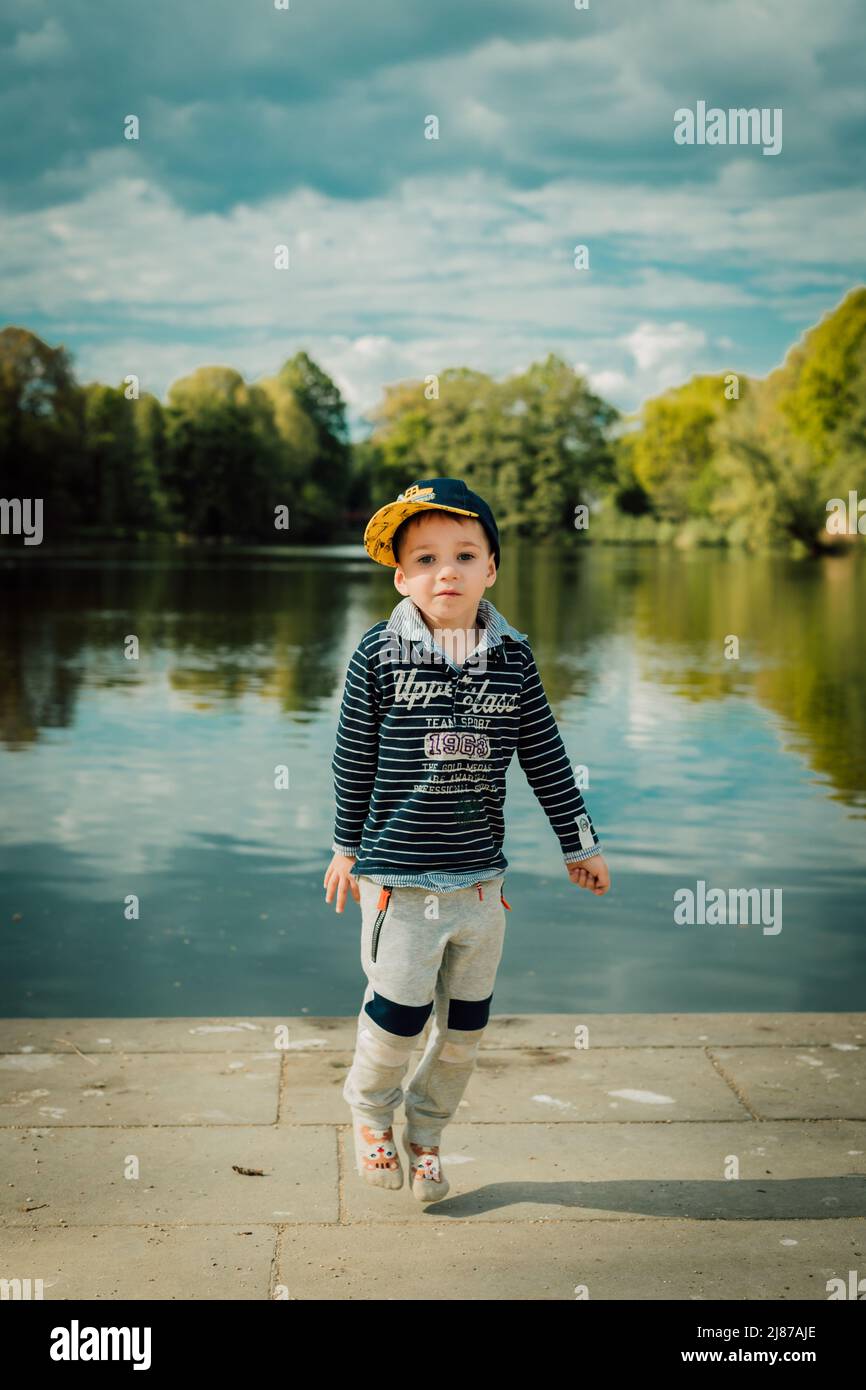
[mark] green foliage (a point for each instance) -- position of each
(797, 440)
(756, 467)
(41, 425)
(822, 384)
(701, 464)
(673, 454)
(216, 460)
(533, 445)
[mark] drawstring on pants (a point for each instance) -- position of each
(501, 895)
(382, 905)
(385, 897)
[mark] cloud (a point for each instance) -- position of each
(395, 287)
(606, 384)
(652, 345)
(43, 47)
(306, 127)
(664, 354)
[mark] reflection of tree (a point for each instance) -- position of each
(217, 633)
(214, 632)
(801, 652)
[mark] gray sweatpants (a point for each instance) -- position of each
(420, 949)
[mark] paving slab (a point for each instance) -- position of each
(138, 1088)
(675, 1260)
(578, 1172)
(143, 1262)
(637, 1083)
(760, 1260)
(305, 1032)
(814, 1082)
(112, 1035)
(688, 1156)
(134, 1175)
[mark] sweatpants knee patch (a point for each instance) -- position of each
(459, 1052)
(381, 1053)
(468, 1014)
(406, 1020)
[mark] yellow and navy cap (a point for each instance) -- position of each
(442, 494)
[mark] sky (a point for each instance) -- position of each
(305, 127)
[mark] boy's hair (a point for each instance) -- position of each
(401, 534)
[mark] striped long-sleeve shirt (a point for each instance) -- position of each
(422, 750)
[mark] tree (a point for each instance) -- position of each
(310, 416)
(533, 444)
(41, 425)
(672, 453)
(558, 428)
(822, 383)
(798, 439)
(222, 456)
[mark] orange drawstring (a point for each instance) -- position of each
(501, 894)
(386, 893)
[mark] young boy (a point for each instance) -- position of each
(435, 703)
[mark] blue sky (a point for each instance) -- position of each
(305, 127)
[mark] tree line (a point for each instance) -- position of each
(724, 459)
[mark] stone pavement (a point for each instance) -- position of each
(676, 1156)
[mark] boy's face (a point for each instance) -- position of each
(445, 566)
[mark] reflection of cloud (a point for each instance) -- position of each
(122, 797)
(647, 708)
(135, 787)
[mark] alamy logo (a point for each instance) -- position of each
(738, 907)
(19, 511)
(403, 651)
(21, 1289)
(856, 1287)
(847, 520)
(76, 1343)
(737, 126)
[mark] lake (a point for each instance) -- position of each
(156, 777)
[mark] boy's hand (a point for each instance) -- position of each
(590, 873)
(337, 876)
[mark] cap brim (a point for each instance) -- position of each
(379, 531)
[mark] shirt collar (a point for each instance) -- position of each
(408, 624)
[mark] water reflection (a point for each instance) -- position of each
(155, 777)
